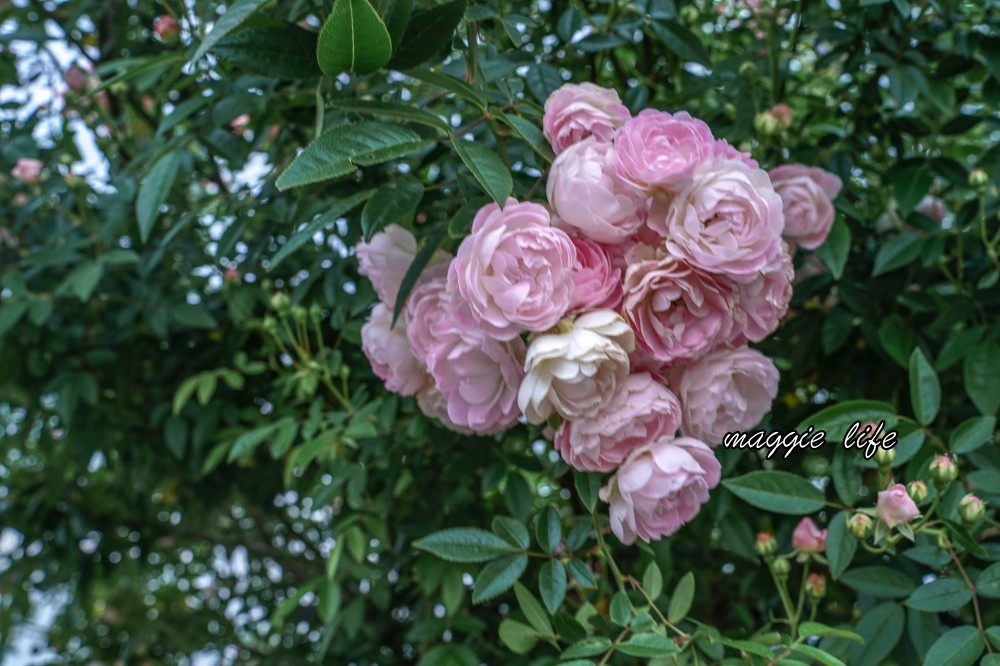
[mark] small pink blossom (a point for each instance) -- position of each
(808, 538)
(389, 352)
(807, 194)
(165, 27)
(577, 111)
(27, 170)
(895, 506)
(933, 208)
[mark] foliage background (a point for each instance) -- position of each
(191, 466)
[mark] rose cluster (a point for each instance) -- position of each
(619, 314)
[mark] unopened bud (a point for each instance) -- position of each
(943, 470)
(765, 123)
(280, 301)
(884, 457)
(270, 324)
(781, 566)
(978, 179)
(315, 312)
(971, 509)
(783, 113)
(300, 314)
(748, 70)
(816, 586)
(166, 29)
(860, 525)
(765, 544)
(917, 490)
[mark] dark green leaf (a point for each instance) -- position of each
(897, 252)
(353, 39)
(682, 42)
(465, 544)
(648, 645)
(836, 420)
(305, 234)
(498, 576)
(420, 261)
(982, 377)
(925, 391)
(512, 530)
(587, 647)
(835, 250)
(187, 315)
(988, 583)
(276, 51)
(153, 191)
(394, 202)
(880, 628)
(548, 530)
(533, 610)
(426, 33)
(552, 584)
(587, 486)
(807, 629)
(487, 168)
(972, 433)
(681, 599)
(960, 646)
(943, 594)
(879, 581)
(780, 492)
(840, 545)
(581, 573)
(235, 15)
(391, 110)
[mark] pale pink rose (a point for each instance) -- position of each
(576, 373)
(578, 110)
(597, 282)
(728, 220)
(933, 208)
(435, 406)
(678, 313)
(808, 538)
(389, 352)
(385, 259)
(895, 506)
(762, 303)
(783, 113)
(723, 150)
(656, 150)
(729, 390)
(166, 28)
(431, 311)
(660, 487)
(641, 411)
(514, 270)
(807, 194)
(478, 377)
(585, 192)
(27, 170)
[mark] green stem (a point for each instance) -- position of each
(802, 598)
(606, 554)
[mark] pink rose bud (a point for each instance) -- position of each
(577, 111)
(76, 79)
(971, 509)
(895, 506)
(231, 275)
(766, 123)
(783, 113)
(240, 123)
(917, 490)
(388, 350)
(765, 544)
(166, 28)
(808, 538)
(943, 470)
(816, 586)
(20, 199)
(933, 208)
(514, 270)
(27, 170)
(729, 390)
(807, 194)
(273, 131)
(659, 151)
(860, 525)
(660, 487)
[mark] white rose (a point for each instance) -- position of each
(576, 373)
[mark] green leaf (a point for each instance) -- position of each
(548, 530)
(245, 445)
(780, 492)
(840, 545)
(943, 594)
(487, 168)
(957, 347)
(517, 636)
(339, 151)
(837, 419)
(581, 573)
(512, 530)
(925, 391)
(962, 536)
(960, 646)
(897, 338)
(807, 629)
(817, 654)
(461, 224)
(835, 250)
(880, 628)
(620, 609)
(353, 39)
(291, 603)
(652, 580)
(175, 432)
(153, 191)
(330, 217)
(498, 576)
(897, 252)
(879, 581)
(972, 433)
(910, 186)
(464, 544)
(428, 31)
(188, 315)
(648, 645)
(542, 79)
(235, 15)
(681, 599)
(552, 584)
(982, 377)
(394, 202)
(420, 261)
(276, 51)
(11, 313)
(922, 628)
(988, 583)
(398, 111)
(452, 85)
(587, 486)
(83, 280)
(587, 647)
(529, 132)
(682, 42)
(533, 610)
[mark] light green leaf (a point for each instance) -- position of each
(533, 610)
(925, 390)
(188, 315)
(353, 39)
(235, 15)
(487, 168)
(960, 646)
(498, 576)
(465, 544)
(780, 492)
(83, 280)
(972, 434)
(153, 191)
(648, 645)
(807, 629)
(880, 628)
(587, 647)
(581, 573)
(517, 636)
(988, 583)
(620, 609)
(512, 530)
(552, 584)
(652, 580)
(390, 110)
(681, 599)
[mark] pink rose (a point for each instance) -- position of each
(389, 352)
(659, 151)
(761, 304)
(808, 538)
(597, 282)
(641, 411)
(514, 270)
(435, 406)
(677, 312)
(587, 195)
(661, 486)
(240, 123)
(385, 259)
(166, 28)
(577, 372)
(432, 311)
(723, 150)
(895, 506)
(932, 207)
(578, 110)
(730, 390)
(27, 170)
(728, 220)
(807, 194)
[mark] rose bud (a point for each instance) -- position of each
(978, 179)
(917, 490)
(783, 113)
(884, 457)
(766, 123)
(765, 544)
(27, 170)
(166, 29)
(781, 566)
(943, 470)
(816, 586)
(895, 506)
(971, 509)
(860, 525)
(808, 538)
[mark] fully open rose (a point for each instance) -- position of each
(577, 111)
